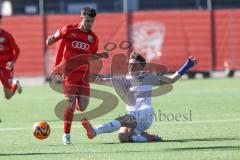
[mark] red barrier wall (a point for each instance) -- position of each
(27, 31)
(186, 33)
(183, 33)
(227, 39)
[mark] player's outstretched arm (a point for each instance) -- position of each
(16, 51)
(59, 34)
(50, 40)
(103, 81)
(95, 56)
(190, 62)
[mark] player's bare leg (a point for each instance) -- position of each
(10, 92)
(151, 137)
(82, 103)
(125, 134)
(19, 87)
(114, 125)
(83, 97)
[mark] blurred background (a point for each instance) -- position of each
(165, 31)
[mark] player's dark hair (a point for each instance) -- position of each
(0, 16)
(87, 11)
(138, 57)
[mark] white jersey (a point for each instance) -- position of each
(136, 89)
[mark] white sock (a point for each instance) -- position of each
(108, 127)
(138, 138)
(66, 134)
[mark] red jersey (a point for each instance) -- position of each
(9, 50)
(75, 43)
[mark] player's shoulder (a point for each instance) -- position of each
(6, 33)
(94, 35)
(69, 27)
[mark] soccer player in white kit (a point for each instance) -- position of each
(137, 90)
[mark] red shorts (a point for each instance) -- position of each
(76, 84)
(6, 78)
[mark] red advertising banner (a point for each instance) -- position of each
(163, 37)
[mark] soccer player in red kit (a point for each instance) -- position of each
(9, 53)
(78, 42)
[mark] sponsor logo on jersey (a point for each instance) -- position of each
(80, 45)
(74, 34)
(90, 38)
(2, 40)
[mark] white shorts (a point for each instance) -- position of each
(144, 118)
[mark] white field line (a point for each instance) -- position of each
(187, 122)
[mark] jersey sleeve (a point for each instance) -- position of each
(15, 48)
(60, 33)
(60, 53)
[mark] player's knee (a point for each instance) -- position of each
(71, 102)
(128, 121)
(83, 102)
(82, 109)
(123, 138)
(8, 97)
(133, 124)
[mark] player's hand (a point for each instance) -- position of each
(10, 65)
(105, 54)
(50, 40)
(193, 61)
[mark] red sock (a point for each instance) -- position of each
(14, 87)
(68, 117)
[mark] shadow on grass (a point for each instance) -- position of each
(29, 154)
(209, 148)
(205, 148)
(183, 140)
(202, 139)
